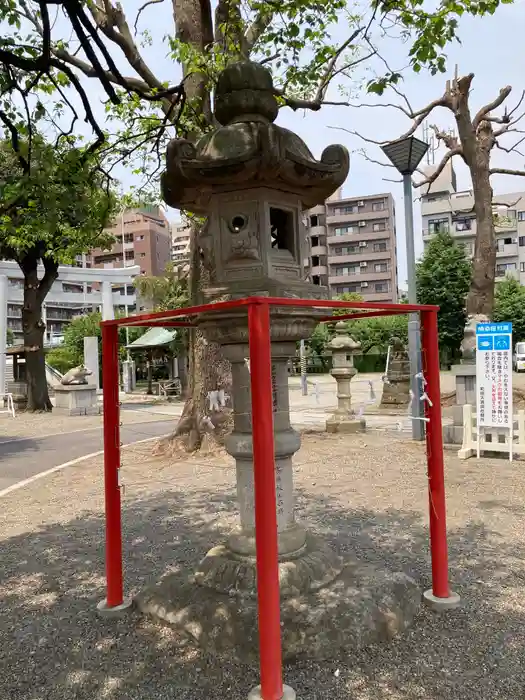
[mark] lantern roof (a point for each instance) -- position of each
(247, 149)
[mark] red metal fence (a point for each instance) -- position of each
(259, 320)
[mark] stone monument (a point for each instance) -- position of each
(465, 376)
(343, 348)
(396, 387)
(252, 179)
(74, 396)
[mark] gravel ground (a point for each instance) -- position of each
(36, 425)
(367, 494)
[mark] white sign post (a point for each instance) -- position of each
(494, 379)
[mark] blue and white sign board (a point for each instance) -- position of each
(494, 375)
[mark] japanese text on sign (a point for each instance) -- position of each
(494, 374)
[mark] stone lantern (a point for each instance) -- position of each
(396, 388)
(343, 349)
(252, 179)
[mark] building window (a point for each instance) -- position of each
(347, 289)
(142, 255)
(350, 209)
(438, 226)
(381, 287)
(381, 267)
(345, 230)
(379, 226)
(141, 237)
(503, 268)
(380, 247)
(314, 240)
(314, 220)
(521, 216)
(378, 206)
(347, 270)
(464, 225)
(522, 240)
(522, 267)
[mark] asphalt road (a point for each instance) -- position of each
(21, 459)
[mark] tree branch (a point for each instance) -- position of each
(491, 106)
(50, 275)
(257, 28)
(142, 8)
(506, 171)
(432, 177)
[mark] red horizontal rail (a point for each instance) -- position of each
(164, 316)
(355, 316)
(159, 324)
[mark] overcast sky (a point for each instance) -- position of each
(492, 48)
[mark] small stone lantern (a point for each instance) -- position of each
(396, 388)
(343, 348)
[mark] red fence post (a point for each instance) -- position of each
(114, 602)
(440, 595)
(269, 604)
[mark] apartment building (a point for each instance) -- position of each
(443, 208)
(180, 243)
(142, 237)
(352, 246)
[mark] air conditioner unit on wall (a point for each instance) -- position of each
(360, 203)
(362, 244)
(362, 223)
(364, 285)
(363, 264)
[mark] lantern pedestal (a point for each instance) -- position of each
(364, 604)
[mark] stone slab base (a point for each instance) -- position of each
(76, 400)
(346, 426)
(453, 434)
(364, 604)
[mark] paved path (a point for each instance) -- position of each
(21, 459)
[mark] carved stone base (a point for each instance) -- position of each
(396, 394)
(337, 424)
(361, 605)
(310, 568)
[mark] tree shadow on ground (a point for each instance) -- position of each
(14, 444)
(54, 647)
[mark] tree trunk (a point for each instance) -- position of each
(33, 327)
(150, 373)
(480, 299)
(208, 370)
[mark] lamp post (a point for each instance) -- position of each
(405, 155)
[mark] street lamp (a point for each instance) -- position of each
(405, 155)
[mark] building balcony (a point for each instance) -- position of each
(440, 207)
(468, 233)
(365, 276)
(507, 251)
(318, 250)
(361, 235)
(358, 216)
(364, 253)
(316, 231)
(319, 270)
(462, 201)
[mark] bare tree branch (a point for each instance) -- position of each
(433, 176)
(491, 106)
(506, 171)
(141, 10)
(511, 149)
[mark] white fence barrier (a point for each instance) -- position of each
(487, 439)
